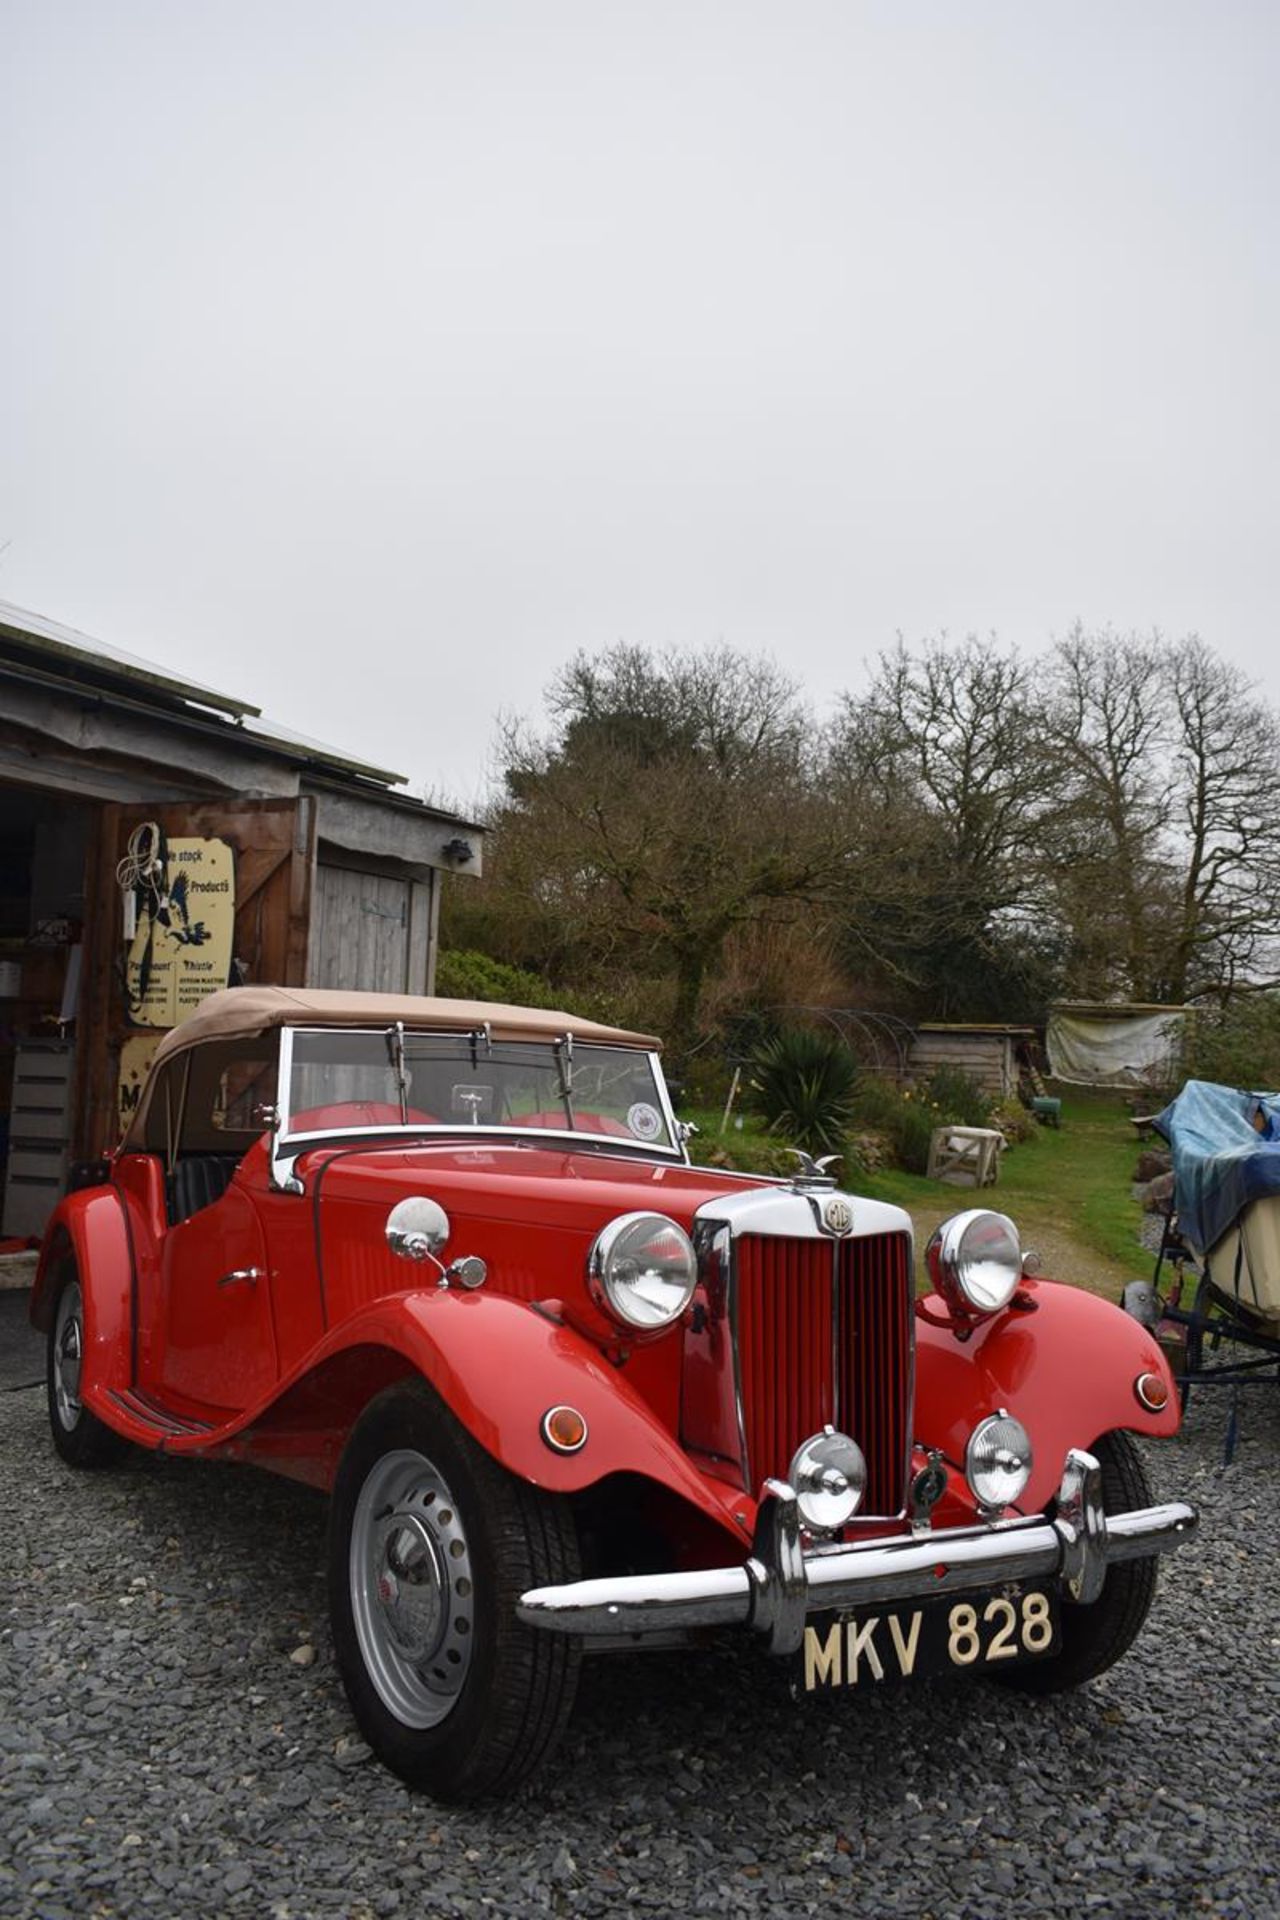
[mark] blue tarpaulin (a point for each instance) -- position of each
(1226, 1153)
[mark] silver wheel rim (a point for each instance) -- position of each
(411, 1591)
(68, 1355)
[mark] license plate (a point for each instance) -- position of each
(978, 1633)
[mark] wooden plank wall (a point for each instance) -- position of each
(985, 1057)
(370, 931)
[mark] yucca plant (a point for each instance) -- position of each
(803, 1082)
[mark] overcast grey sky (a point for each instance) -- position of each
(366, 360)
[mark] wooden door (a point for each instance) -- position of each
(273, 850)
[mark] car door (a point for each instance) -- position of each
(209, 1326)
(218, 1346)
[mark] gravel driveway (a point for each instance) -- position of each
(174, 1740)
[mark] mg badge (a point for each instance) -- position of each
(837, 1216)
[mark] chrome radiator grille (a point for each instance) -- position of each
(824, 1333)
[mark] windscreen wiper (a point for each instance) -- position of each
(477, 1037)
(395, 1048)
(563, 1050)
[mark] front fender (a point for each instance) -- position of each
(90, 1227)
(499, 1366)
(1066, 1367)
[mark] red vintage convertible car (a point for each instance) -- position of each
(451, 1262)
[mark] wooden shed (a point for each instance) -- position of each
(988, 1054)
(159, 839)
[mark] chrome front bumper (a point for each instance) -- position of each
(781, 1584)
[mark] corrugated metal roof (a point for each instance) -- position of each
(297, 743)
(47, 636)
(65, 647)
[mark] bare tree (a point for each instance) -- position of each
(942, 768)
(974, 832)
(1166, 851)
(1227, 747)
(1104, 720)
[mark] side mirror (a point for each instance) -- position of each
(417, 1228)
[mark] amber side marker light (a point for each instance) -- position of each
(1152, 1390)
(564, 1429)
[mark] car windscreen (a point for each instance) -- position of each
(344, 1081)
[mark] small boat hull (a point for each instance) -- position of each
(1252, 1241)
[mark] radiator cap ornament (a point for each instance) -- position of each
(811, 1175)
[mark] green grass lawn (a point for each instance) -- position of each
(1074, 1181)
(1069, 1186)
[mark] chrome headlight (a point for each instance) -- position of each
(975, 1261)
(997, 1460)
(642, 1270)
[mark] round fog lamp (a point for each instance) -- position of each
(829, 1475)
(997, 1460)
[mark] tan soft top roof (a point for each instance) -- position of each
(237, 1012)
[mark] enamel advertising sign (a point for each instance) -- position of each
(181, 948)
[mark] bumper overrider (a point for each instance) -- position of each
(782, 1583)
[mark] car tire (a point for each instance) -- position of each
(79, 1436)
(1096, 1636)
(461, 1699)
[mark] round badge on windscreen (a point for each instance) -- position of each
(644, 1121)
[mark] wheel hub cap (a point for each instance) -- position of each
(68, 1355)
(412, 1587)
(411, 1592)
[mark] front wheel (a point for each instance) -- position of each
(430, 1545)
(80, 1437)
(1095, 1637)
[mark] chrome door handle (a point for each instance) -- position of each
(250, 1276)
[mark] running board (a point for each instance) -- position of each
(158, 1423)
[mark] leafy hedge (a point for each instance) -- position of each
(463, 974)
(1237, 1045)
